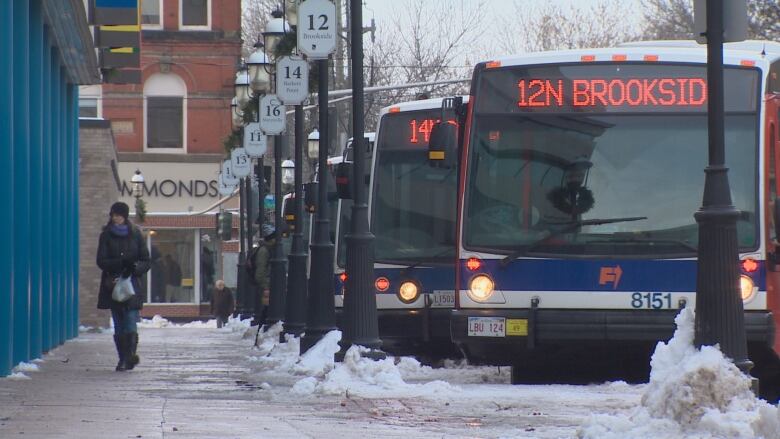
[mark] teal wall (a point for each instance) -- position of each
(39, 157)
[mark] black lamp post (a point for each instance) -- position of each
(260, 81)
(243, 94)
(295, 315)
(321, 312)
(720, 316)
(274, 31)
(360, 325)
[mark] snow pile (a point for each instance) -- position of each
(692, 393)
(232, 325)
(26, 367)
(319, 359)
(361, 376)
(157, 321)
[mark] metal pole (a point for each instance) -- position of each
(241, 278)
(250, 289)
(295, 315)
(360, 316)
(278, 261)
(321, 311)
(257, 294)
(719, 312)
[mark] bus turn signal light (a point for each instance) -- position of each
(749, 265)
(473, 264)
(343, 277)
(382, 284)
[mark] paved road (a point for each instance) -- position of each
(201, 383)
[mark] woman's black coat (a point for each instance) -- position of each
(114, 254)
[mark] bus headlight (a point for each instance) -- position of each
(408, 292)
(746, 288)
(481, 288)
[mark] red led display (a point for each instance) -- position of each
(615, 92)
(420, 129)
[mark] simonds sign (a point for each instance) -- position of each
(169, 188)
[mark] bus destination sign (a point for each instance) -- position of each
(612, 92)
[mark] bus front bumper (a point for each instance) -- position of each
(528, 329)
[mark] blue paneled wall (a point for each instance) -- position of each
(39, 158)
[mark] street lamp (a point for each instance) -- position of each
(138, 184)
(288, 172)
(236, 116)
(138, 191)
(242, 88)
(274, 31)
(313, 145)
(260, 68)
(291, 12)
(360, 325)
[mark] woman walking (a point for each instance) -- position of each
(122, 252)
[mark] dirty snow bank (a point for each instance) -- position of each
(692, 394)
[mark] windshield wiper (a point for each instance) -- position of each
(428, 259)
(627, 239)
(571, 226)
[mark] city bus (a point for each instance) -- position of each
(581, 171)
(412, 217)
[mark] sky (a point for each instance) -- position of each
(691, 394)
(499, 13)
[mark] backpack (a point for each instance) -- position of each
(250, 264)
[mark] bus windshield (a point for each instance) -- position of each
(558, 179)
(413, 205)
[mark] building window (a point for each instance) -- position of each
(88, 107)
(195, 13)
(164, 122)
(151, 13)
(172, 274)
(165, 113)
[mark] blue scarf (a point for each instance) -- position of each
(119, 229)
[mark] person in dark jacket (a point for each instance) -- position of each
(262, 274)
(222, 303)
(122, 252)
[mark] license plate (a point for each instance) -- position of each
(486, 327)
(442, 299)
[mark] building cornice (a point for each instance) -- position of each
(67, 20)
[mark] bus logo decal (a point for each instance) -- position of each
(610, 274)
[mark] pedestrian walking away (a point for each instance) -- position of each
(122, 254)
(222, 302)
(261, 268)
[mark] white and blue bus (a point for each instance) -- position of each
(412, 217)
(581, 172)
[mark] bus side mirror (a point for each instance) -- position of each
(310, 196)
(443, 145)
(343, 174)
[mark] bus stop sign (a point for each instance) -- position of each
(317, 28)
(292, 80)
(272, 115)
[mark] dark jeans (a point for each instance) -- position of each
(125, 320)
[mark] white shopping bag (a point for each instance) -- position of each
(123, 289)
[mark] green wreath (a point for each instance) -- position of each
(140, 210)
(561, 200)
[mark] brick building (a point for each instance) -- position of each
(171, 127)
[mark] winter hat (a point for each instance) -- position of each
(120, 209)
(268, 232)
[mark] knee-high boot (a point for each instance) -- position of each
(132, 348)
(121, 349)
